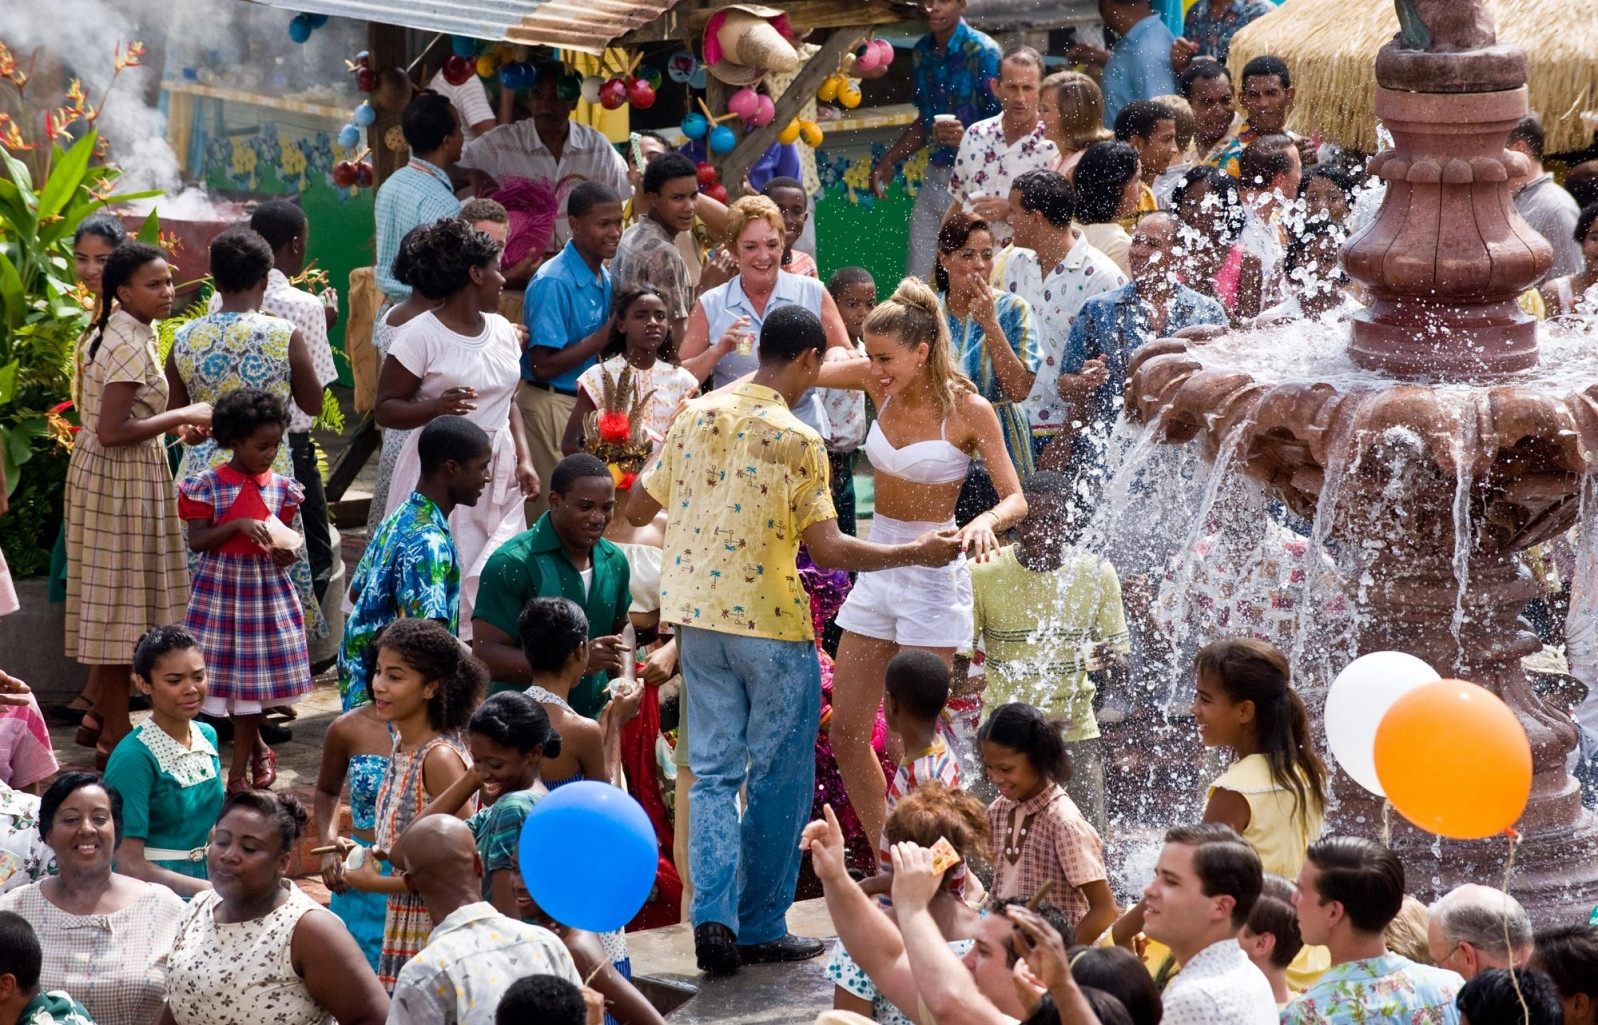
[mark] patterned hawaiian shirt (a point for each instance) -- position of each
(410, 571)
(955, 81)
(1214, 35)
(986, 165)
(1387, 990)
(1055, 299)
(741, 480)
(1228, 153)
(472, 957)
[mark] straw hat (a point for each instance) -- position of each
(744, 41)
(1330, 47)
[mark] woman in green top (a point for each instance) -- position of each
(167, 769)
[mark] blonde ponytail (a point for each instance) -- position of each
(913, 316)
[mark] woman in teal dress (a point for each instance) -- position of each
(240, 347)
(167, 769)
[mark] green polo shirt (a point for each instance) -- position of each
(533, 564)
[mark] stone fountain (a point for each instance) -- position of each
(1434, 449)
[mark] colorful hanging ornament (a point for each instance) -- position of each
(457, 70)
(694, 126)
(790, 133)
(300, 28)
(570, 87)
(463, 46)
(681, 66)
(364, 115)
(349, 137)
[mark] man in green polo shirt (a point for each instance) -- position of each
(564, 555)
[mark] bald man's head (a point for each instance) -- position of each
(440, 856)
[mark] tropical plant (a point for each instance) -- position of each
(46, 191)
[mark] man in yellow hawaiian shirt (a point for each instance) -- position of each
(743, 482)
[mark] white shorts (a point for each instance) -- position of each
(913, 606)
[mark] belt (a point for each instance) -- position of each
(546, 386)
(161, 854)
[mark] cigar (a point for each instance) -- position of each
(1031, 905)
(330, 849)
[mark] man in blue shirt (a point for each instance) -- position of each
(567, 313)
(1138, 66)
(955, 69)
(1109, 328)
(420, 192)
(410, 569)
(1208, 28)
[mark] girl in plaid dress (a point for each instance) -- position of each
(243, 606)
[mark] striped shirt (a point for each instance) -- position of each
(417, 193)
(934, 765)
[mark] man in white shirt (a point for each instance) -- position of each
(1205, 884)
(470, 101)
(548, 147)
(1547, 207)
(474, 953)
(994, 152)
(1055, 270)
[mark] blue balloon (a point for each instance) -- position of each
(364, 115)
(588, 856)
(463, 46)
(694, 126)
(348, 136)
(518, 75)
(723, 139)
(300, 28)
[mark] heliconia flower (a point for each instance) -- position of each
(61, 407)
(129, 58)
(614, 427)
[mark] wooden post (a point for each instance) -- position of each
(386, 46)
(735, 165)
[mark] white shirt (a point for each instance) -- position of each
(470, 960)
(1219, 986)
(469, 99)
(1262, 237)
(1084, 273)
(306, 312)
(516, 150)
(985, 165)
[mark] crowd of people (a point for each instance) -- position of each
(617, 497)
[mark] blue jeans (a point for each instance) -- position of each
(754, 707)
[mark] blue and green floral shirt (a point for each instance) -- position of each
(955, 81)
(1214, 35)
(410, 571)
(1387, 990)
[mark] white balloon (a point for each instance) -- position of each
(1356, 702)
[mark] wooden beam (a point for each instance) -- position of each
(385, 45)
(735, 165)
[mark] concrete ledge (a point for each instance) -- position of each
(31, 644)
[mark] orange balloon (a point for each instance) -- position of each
(1454, 760)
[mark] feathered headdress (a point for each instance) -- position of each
(615, 431)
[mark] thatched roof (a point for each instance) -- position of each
(1330, 47)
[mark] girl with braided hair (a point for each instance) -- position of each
(125, 559)
(462, 358)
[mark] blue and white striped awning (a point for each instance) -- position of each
(585, 25)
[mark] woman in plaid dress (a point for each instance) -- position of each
(243, 605)
(125, 563)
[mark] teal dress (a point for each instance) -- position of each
(171, 795)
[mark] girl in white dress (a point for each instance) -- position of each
(461, 360)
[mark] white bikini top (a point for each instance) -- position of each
(934, 461)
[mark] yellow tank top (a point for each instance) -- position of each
(1277, 832)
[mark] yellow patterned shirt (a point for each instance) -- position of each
(740, 479)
